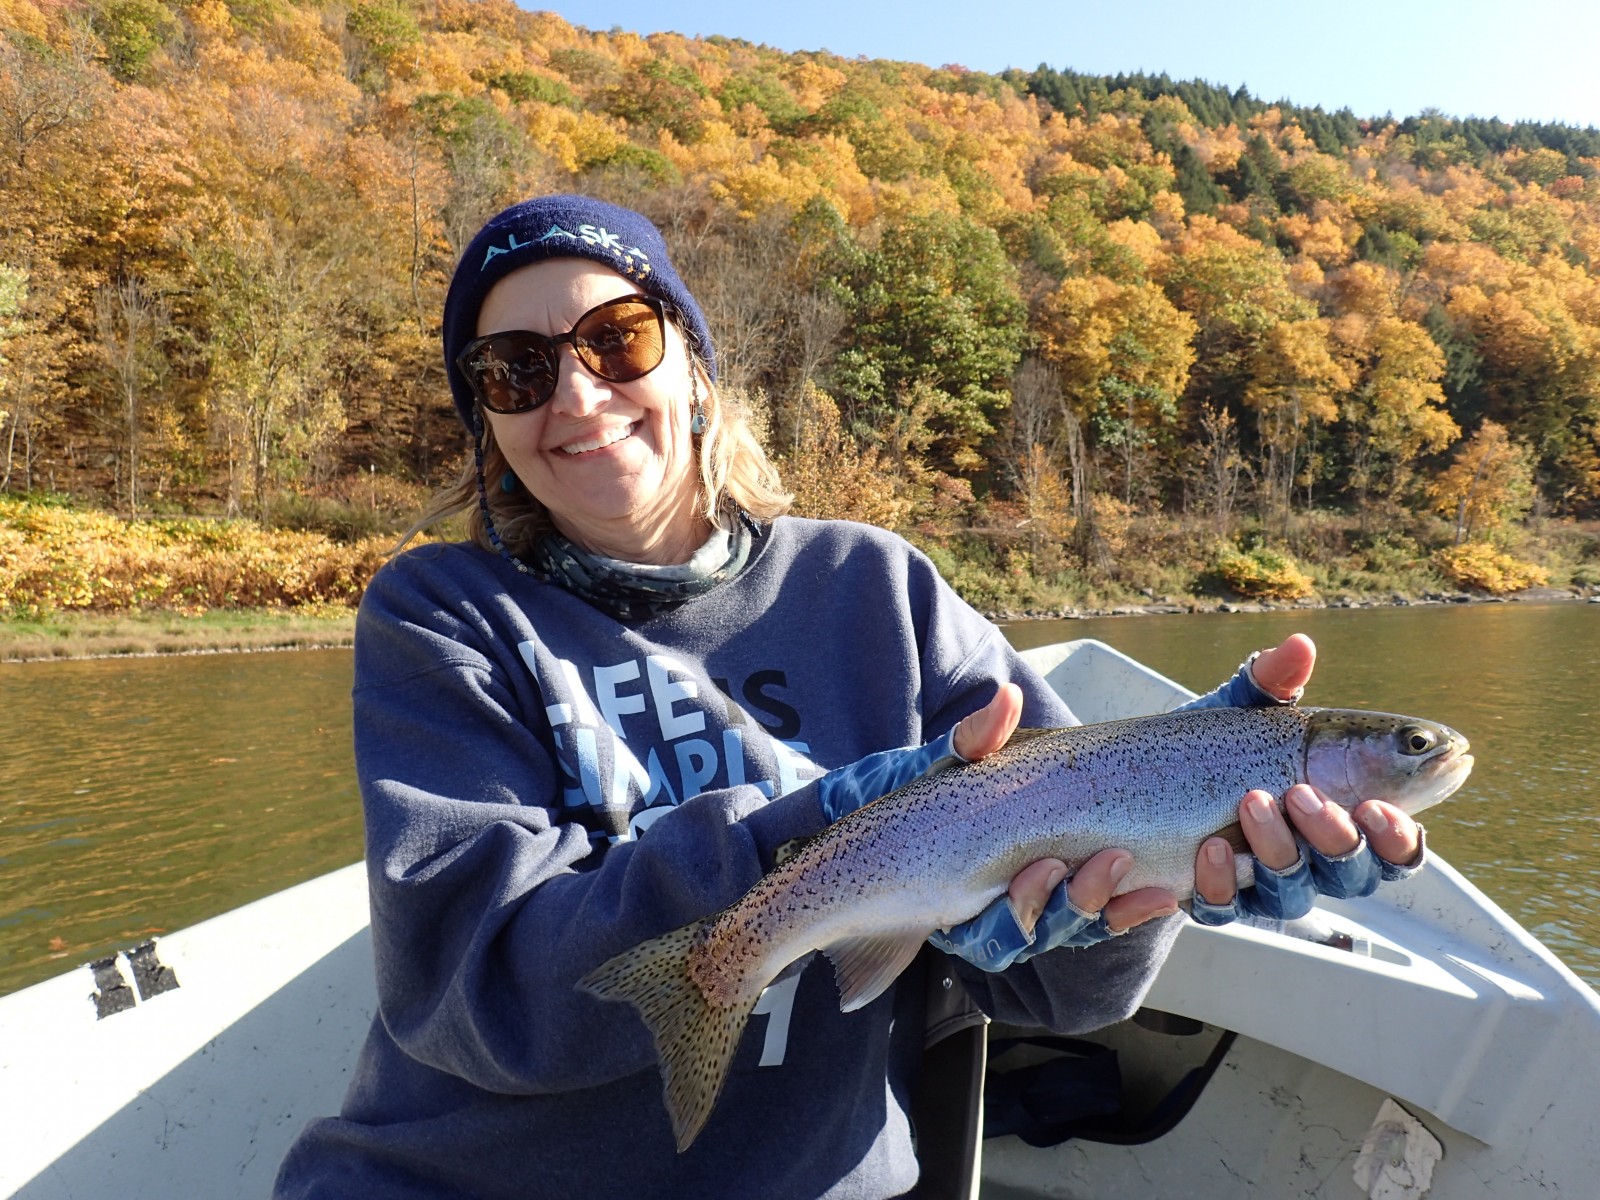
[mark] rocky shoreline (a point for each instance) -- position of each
(1166, 606)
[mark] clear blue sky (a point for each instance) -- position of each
(1515, 59)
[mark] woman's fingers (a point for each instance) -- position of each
(1031, 888)
(1285, 669)
(986, 730)
(1326, 826)
(1091, 890)
(1265, 829)
(1214, 877)
(1329, 828)
(1393, 835)
(1390, 831)
(1137, 907)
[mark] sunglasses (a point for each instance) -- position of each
(516, 371)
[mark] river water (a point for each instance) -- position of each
(138, 796)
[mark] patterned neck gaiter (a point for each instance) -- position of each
(634, 592)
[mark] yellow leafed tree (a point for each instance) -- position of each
(1123, 351)
(1296, 380)
(832, 476)
(1490, 482)
(1397, 406)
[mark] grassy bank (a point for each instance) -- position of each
(55, 558)
(78, 583)
(1321, 558)
(93, 635)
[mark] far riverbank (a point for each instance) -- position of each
(1167, 606)
(69, 635)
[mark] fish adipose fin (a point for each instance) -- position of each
(866, 966)
(695, 1040)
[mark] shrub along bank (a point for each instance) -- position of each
(54, 558)
(62, 564)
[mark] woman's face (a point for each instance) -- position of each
(614, 463)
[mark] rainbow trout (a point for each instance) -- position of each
(871, 887)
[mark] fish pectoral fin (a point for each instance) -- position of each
(866, 966)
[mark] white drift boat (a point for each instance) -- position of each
(1417, 1042)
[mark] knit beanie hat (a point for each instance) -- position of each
(562, 227)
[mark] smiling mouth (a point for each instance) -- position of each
(608, 438)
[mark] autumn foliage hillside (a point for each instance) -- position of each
(1013, 315)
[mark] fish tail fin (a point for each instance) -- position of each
(695, 1039)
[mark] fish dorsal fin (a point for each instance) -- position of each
(1021, 737)
(866, 966)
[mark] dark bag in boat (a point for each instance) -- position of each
(1047, 1102)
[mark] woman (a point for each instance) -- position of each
(598, 720)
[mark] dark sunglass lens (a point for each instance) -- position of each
(514, 373)
(621, 341)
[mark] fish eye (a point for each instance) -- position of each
(1416, 740)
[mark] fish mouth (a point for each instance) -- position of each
(1446, 775)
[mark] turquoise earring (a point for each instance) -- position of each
(508, 482)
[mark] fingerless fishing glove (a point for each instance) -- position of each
(845, 789)
(994, 939)
(1288, 894)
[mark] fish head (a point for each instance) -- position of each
(1411, 763)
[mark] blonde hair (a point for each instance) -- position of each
(734, 471)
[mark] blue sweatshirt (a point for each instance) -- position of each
(545, 787)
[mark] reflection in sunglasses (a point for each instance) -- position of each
(516, 370)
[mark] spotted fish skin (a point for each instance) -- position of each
(871, 887)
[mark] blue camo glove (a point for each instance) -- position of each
(994, 939)
(1288, 894)
(845, 789)
(1240, 691)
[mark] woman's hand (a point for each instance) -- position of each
(1341, 862)
(985, 731)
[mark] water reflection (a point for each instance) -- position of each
(1521, 681)
(142, 795)
(138, 796)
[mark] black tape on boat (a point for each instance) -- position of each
(112, 994)
(148, 974)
